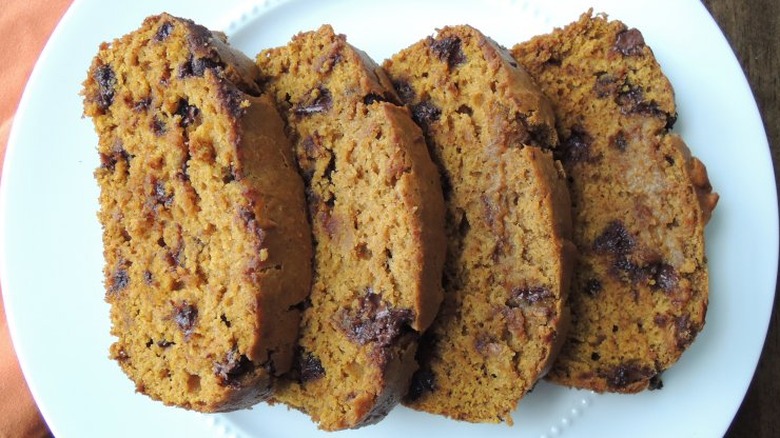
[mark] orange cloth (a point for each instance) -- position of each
(25, 26)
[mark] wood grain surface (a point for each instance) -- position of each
(753, 29)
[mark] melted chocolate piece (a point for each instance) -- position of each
(319, 104)
(374, 321)
(189, 113)
(405, 91)
(528, 295)
(309, 367)
(630, 42)
(106, 79)
(626, 374)
(425, 113)
(614, 239)
(185, 315)
(423, 381)
(449, 49)
(575, 148)
(230, 370)
(164, 31)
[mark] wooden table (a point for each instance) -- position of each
(753, 29)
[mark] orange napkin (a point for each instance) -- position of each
(25, 26)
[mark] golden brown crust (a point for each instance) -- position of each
(490, 131)
(640, 203)
(205, 236)
(377, 214)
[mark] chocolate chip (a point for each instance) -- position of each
(165, 343)
(423, 381)
(318, 101)
(198, 66)
(373, 97)
(630, 42)
(448, 49)
(185, 315)
(158, 126)
(233, 100)
(524, 296)
(592, 287)
(309, 367)
(619, 142)
(664, 276)
(575, 148)
(605, 85)
(148, 277)
(120, 279)
(614, 239)
(595, 356)
(685, 331)
(374, 321)
(656, 383)
(161, 196)
(143, 104)
(106, 80)
(188, 113)
(405, 91)
(425, 113)
(234, 366)
(631, 99)
(164, 31)
(626, 374)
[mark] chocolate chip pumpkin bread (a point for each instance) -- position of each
(640, 204)
(377, 216)
(491, 132)
(206, 242)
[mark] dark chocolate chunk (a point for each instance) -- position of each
(425, 113)
(626, 374)
(592, 287)
(373, 97)
(423, 381)
(120, 279)
(189, 113)
(656, 383)
(614, 239)
(185, 315)
(143, 104)
(165, 343)
(164, 31)
(198, 66)
(524, 296)
(405, 91)
(106, 79)
(685, 331)
(309, 367)
(320, 103)
(575, 148)
(619, 142)
(374, 321)
(630, 42)
(664, 276)
(234, 366)
(605, 85)
(448, 49)
(161, 196)
(158, 126)
(148, 277)
(233, 100)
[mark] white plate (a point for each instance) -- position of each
(51, 252)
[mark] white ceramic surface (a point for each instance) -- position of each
(51, 259)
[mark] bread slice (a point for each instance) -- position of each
(206, 243)
(640, 204)
(378, 222)
(491, 132)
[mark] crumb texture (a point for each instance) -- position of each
(491, 133)
(206, 242)
(377, 216)
(640, 204)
